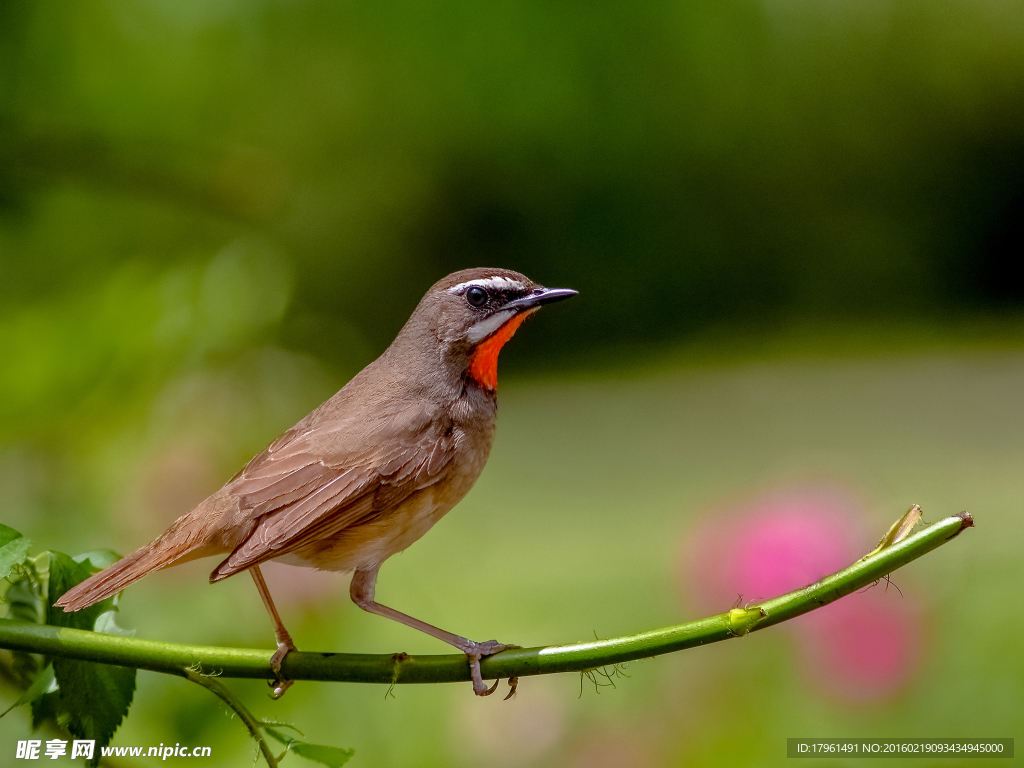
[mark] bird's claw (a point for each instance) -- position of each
(484, 690)
(279, 683)
(513, 683)
(279, 686)
(476, 652)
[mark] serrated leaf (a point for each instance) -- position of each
(24, 604)
(92, 699)
(13, 550)
(65, 573)
(333, 757)
(95, 698)
(44, 683)
(47, 707)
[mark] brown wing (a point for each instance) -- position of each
(307, 486)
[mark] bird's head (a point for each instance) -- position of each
(472, 313)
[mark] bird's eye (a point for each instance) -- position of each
(476, 297)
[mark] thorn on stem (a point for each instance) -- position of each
(396, 661)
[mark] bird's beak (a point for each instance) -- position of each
(540, 296)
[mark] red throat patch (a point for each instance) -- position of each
(483, 363)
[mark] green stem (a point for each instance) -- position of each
(387, 668)
(221, 691)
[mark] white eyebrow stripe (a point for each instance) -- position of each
(499, 283)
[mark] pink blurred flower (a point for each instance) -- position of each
(862, 647)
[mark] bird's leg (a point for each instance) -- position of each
(284, 640)
(362, 591)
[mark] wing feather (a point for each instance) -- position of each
(297, 494)
(282, 488)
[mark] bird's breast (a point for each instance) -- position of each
(394, 528)
(367, 545)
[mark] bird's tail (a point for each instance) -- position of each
(173, 547)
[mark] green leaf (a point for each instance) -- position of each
(13, 550)
(88, 699)
(8, 534)
(92, 699)
(95, 698)
(106, 623)
(64, 573)
(286, 740)
(97, 560)
(333, 757)
(47, 707)
(44, 683)
(25, 603)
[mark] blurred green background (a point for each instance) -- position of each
(797, 233)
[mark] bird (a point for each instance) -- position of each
(369, 471)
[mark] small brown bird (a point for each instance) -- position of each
(368, 472)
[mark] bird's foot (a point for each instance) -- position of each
(279, 683)
(513, 683)
(478, 651)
